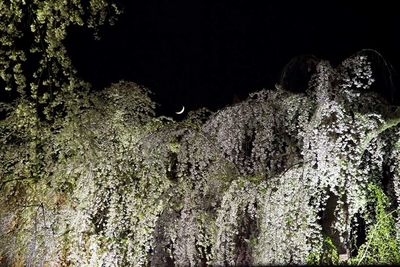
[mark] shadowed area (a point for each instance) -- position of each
(202, 54)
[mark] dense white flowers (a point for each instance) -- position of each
(260, 182)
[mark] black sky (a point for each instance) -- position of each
(198, 54)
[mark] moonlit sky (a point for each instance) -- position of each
(201, 54)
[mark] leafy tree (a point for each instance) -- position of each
(34, 63)
(37, 75)
(381, 246)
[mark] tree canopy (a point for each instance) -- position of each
(287, 176)
(280, 178)
(34, 64)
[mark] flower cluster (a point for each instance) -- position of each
(266, 181)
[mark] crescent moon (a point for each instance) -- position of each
(180, 112)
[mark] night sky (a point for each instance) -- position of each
(201, 54)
